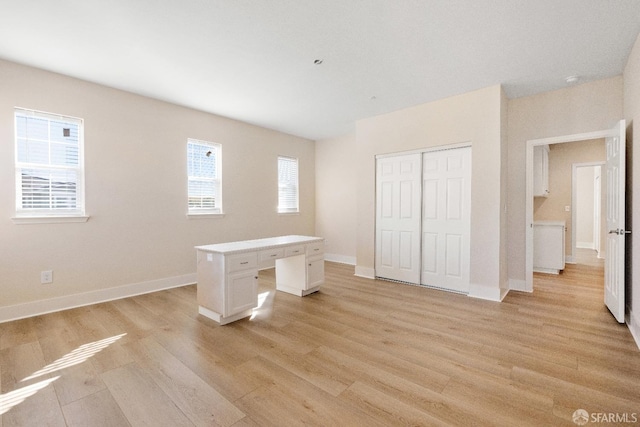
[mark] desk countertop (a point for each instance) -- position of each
(258, 244)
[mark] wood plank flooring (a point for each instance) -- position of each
(359, 352)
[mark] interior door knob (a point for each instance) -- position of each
(619, 231)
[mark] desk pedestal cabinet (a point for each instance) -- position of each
(228, 273)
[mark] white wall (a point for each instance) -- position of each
(585, 208)
(138, 235)
(632, 116)
(336, 216)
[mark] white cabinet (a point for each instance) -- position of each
(315, 265)
(315, 272)
(300, 274)
(242, 292)
(228, 273)
(232, 285)
(548, 246)
(541, 171)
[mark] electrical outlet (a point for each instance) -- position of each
(46, 276)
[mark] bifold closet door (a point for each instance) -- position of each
(446, 218)
(398, 206)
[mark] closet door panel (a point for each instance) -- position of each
(406, 258)
(454, 199)
(398, 217)
(430, 194)
(423, 218)
(446, 219)
(429, 252)
(453, 255)
(386, 248)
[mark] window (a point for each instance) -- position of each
(49, 165)
(287, 185)
(204, 177)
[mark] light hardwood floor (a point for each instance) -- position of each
(359, 352)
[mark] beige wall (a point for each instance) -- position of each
(135, 158)
(473, 117)
(336, 197)
(632, 116)
(588, 107)
(561, 160)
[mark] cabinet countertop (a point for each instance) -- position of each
(558, 223)
(258, 244)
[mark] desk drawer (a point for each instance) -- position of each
(315, 248)
(241, 261)
(270, 254)
(294, 250)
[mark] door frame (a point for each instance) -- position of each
(529, 190)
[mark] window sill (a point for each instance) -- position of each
(204, 215)
(289, 213)
(49, 219)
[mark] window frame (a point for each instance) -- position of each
(24, 214)
(216, 182)
(289, 209)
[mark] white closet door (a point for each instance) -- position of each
(398, 217)
(446, 199)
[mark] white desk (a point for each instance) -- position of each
(228, 273)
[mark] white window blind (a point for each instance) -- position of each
(49, 164)
(204, 177)
(287, 185)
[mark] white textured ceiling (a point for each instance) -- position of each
(253, 60)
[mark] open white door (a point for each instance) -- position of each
(615, 253)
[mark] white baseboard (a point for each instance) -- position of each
(342, 259)
(487, 293)
(585, 245)
(366, 272)
(633, 322)
(519, 285)
(546, 270)
(36, 308)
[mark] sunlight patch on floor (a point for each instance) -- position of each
(76, 357)
(259, 310)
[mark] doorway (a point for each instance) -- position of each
(568, 208)
(614, 268)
